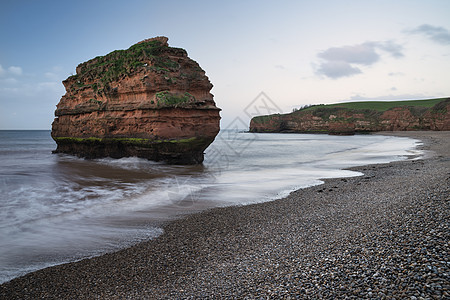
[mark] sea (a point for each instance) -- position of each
(57, 208)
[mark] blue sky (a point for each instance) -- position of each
(296, 52)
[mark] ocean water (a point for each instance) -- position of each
(57, 208)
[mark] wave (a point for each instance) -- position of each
(59, 208)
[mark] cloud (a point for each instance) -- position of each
(51, 75)
(437, 34)
(11, 71)
(48, 86)
(337, 69)
(389, 97)
(8, 82)
(55, 73)
(13, 85)
(337, 62)
(359, 54)
(396, 74)
(390, 47)
(15, 70)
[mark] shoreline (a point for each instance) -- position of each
(378, 235)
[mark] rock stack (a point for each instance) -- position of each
(150, 101)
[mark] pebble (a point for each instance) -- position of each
(383, 235)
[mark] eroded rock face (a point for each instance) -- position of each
(149, 101)
(349, 121)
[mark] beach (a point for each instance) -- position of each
(381, 235)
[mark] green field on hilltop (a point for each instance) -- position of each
(380, 105)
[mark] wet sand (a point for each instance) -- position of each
(384, 234)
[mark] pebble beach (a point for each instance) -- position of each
(383, 235)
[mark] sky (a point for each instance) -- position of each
(261, 56)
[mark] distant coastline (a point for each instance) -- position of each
(360, 117)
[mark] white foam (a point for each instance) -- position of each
(59, 208)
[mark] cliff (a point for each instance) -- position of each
(350, 118)
(150, 101)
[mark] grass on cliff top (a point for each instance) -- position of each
(380, 105)
(110, 67)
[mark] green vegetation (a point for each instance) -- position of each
(189, 140)
(167, 98)
(94, 101)
(126, 141)
(366, 116)
(77, 140)
(371, 110)
(79, 84)
(109, 68)
(441, 106)
(325, 111)
(378, 105)
(159, 69)
(385, 105)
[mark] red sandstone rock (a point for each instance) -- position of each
(347, 121)
(150, 101)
